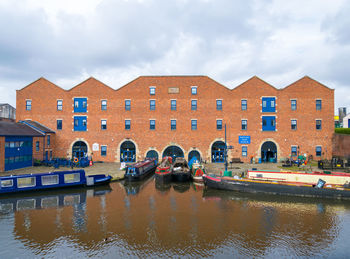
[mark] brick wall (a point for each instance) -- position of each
(44, 96)
(341, 145)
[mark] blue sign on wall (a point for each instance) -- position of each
(244, 139)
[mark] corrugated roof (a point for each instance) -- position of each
(36, 125)
(8, 128)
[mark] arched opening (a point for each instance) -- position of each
(194, 153)
(173, 151)
(152, 154)
(218, 152)
(127, 152)
(79, 149)
(269, 152)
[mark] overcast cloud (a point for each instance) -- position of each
(68, 41)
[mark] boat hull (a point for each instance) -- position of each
(181, 176)
(163, 178)
(139, 177)
(273, 188)
(198, 179)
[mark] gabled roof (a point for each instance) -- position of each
(37, 126)
(254, 78)
(42, 79)
(8, 128)
(89, 80)
(307, 78)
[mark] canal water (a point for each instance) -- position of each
(176, 220)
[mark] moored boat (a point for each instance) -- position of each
(140, 170)
(43, 181)
(277, 187)
(164, 170)
(181, 171)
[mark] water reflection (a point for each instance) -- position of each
(146, 219)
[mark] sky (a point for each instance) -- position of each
(115, 41)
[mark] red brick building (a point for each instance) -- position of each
(183, 115)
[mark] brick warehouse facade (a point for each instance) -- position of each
(157, 112)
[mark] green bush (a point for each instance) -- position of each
(342, 130)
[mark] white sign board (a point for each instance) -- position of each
(95, 147)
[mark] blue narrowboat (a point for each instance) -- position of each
(43, 181)
(140, 170)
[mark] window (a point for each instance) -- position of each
(152, 90)
(293, 105)
(104, 105)
(294, 150)
(80, 104)
(59, 124)
(152, 124)
(244, 150)
(193, 124)
(103, 124)
(193, 90)
(37, 146)
(127, 124)
(48, 140)
(6, 183)
(293, 124)
(244, 124)
(26, 182)
(193, 105)
(318, 124)
(127, 105)
(152, 105)
(59, 105)
(103, 150)
(173, 124)
(219, 105)
(243, 105)
(318, 105)
(80, 123)
(219, 124)
(269, 123)
(72, 178)
(318, 151)
(173, 105)
(268, 104)
(49, 179)
(28, 105)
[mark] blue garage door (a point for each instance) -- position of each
(18, 152)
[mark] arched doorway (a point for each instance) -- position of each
(173, 151)
(152, 154)
(79, 149)
(218, 152)
(194, 153)
(127, 152)
(269, 152)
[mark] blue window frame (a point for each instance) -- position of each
(193, 124)
(219, 105)
(173, 105)
(193, 105)
(152, 90)
(59, 124)
(127, 105)
(293, 124)
(80, 123)
(318, 105)
(173, 124)
(193, 90)
(293, 105)
(152, 124)
(318, 124)
(127, 124)
(269, 123)
(80, 104)
(294, 151)
(28, 105)
(103, 150)
(219, 124)
(244, 124)
(318, 150)
(244, 150)
(48, 140)
(37, 146)
(104, 105)
(152, 105)
(59, 105)
(243, 105)
(103, 124)
(268, 104)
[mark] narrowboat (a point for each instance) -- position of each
(140, 170)
(320, 190)
(197, 170)
(181, 171)
(164, 170)
(43, 181)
